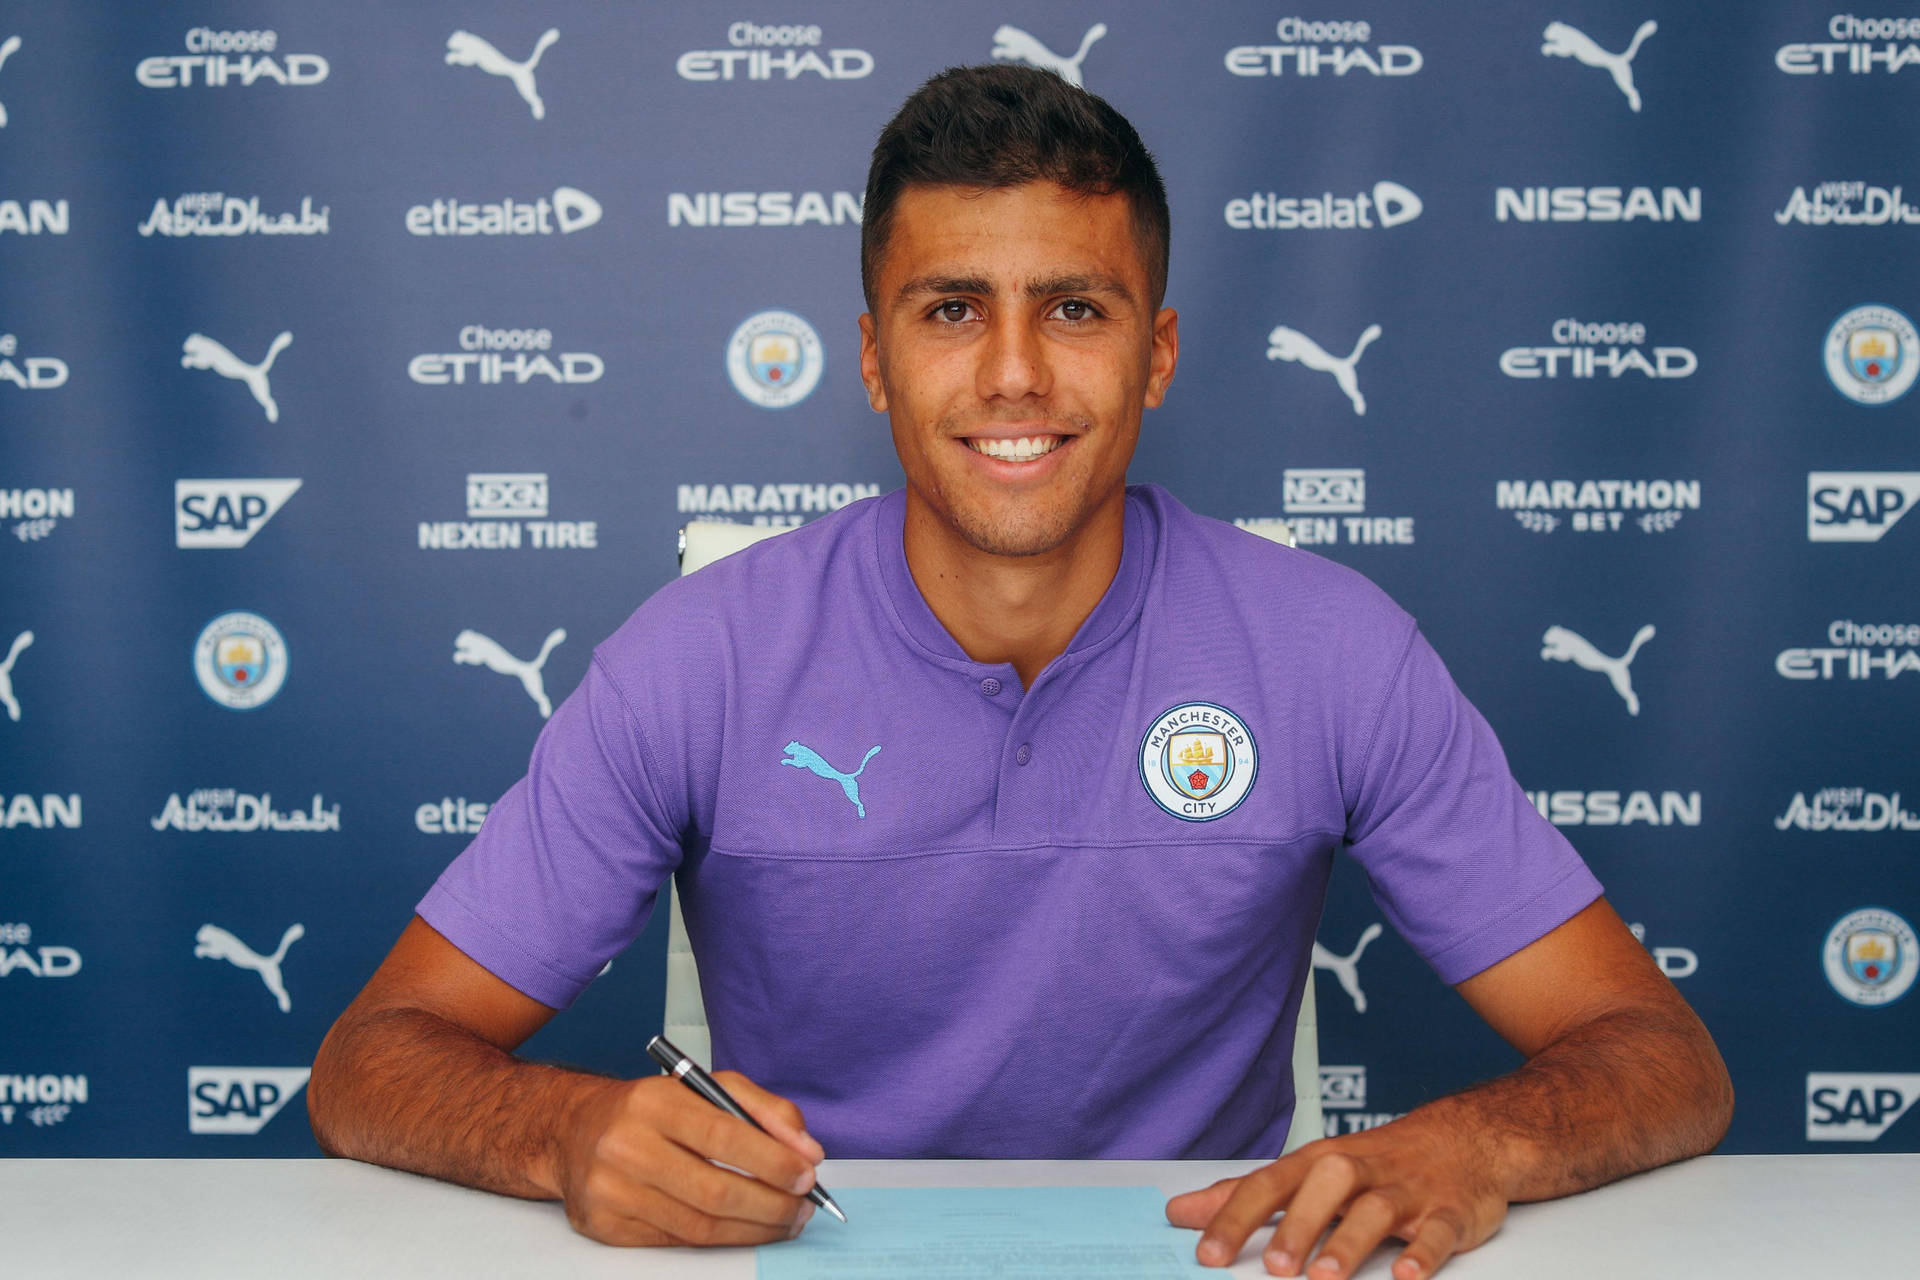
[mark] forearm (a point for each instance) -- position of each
(1626, 1092)
(408, 1089)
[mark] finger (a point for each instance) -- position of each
(1194, 1209)
(779, 1116)
(722, 1193)
(1324, 1190)
(1248, 1204)
(655, 1218)
(712, 1134)
(1437, 1239)
(1362, 1227)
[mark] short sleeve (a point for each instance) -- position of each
(1460, 861)
(564, 871)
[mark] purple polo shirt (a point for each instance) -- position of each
(950, 917)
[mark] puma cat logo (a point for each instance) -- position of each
(215, 943)
(801, 756)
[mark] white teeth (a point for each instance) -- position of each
(1024, 449)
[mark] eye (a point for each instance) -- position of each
(1076, 311)
(953, 311)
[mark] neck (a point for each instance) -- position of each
(1021, 610)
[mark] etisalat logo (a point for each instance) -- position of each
(224, 809)
(1597, 506)
(31, 373)
(768, 504)
(567, 211)
(1563, 41)
(1385, 204)
(1847, 809)
(1327, 505)
(1306, 49)
(35, 512)
(1011, 44)
(492, 357)
(774, 52)
(40, 1100)
(1849, 204)
(1850, 48)
(1855, 651)
(506, 510)
(1858, 506)
(217, 59)
(1586, 349)
(215, 213)
(452, 816)
(1872, 355)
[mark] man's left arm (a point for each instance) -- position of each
(1620, 1076)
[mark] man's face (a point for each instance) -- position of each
(1013, 344)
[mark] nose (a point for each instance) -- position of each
(1013, 359)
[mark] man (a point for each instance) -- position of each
(1063, 904)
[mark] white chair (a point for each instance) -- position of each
(686, 1014)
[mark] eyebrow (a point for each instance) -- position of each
(1094, 283)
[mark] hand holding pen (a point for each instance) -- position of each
(688, 1072)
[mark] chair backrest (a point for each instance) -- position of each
(686, 1014)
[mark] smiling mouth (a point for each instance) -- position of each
(1022, 449)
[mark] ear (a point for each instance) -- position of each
(1165, 355)
(870, 364)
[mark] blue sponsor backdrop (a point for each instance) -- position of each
(1575, 266)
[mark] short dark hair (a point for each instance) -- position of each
(1004, 126)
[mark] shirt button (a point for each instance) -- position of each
(990, 686)
(1023, 755)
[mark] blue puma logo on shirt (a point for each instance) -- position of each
(801, 756)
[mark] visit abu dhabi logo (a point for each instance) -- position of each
(1197, 761)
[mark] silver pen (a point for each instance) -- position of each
(688, 1072)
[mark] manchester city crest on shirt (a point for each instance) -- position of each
(774, 359)
(241, 660)
(1873, 355)
(1872, 956)
(1198, 761)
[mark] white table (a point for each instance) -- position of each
(1739, 1217)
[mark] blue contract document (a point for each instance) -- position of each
(1008, 1233)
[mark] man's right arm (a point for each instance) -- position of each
(419, 1074)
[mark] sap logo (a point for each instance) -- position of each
(239, 1099)
(38, 217)
(1853, 1106)
(754, 57)
(33, 373)
(223, 514)
(1617, 808)
(451, 817)
(1596, 204)
(764, 208)
(1327, 491)
(570, 210)
(47, 811)
(1848, 46)
(206, 54)
(1858, 506)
